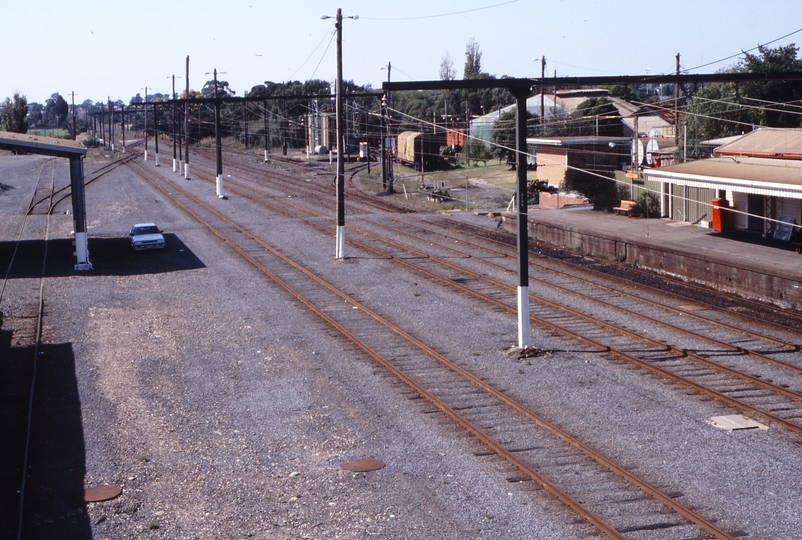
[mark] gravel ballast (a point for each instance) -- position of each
(224, 410)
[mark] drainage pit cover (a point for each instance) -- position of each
(363, 465)
(99, 494)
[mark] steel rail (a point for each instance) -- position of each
(292, 182)
(102, 171)
(35, 362)
(639, 298)
(606, 348)
(584, 339)
(722, 344)
(600, 346)
(704, 290)
(496, 447)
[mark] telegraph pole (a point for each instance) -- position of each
(676, 107)
(389, 187)
(218, 141)
(173, 122)
(340, 249)
(73, 116)
(267, 130)
(338, 100)
(382, 134)
(542, 89)
(111, 124)
(186, 126)
(146, 123)
(156, 132)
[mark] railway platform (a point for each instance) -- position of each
(738, 263)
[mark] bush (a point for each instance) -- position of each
(90, 142)
(477, 150)
(647, 205)
(600, 191)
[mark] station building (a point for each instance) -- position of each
(757, 177)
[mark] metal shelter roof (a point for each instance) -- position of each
(35, 144)
(770, 143)
(761, 176)
(578, 141)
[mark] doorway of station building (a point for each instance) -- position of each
(756, 208)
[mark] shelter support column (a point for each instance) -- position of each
(522, 217)
(79, 214)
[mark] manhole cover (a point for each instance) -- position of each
(100, 493)
(363, 465)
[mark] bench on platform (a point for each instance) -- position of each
(625, 208)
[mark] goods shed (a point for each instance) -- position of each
(49, 146)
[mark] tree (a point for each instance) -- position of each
(13, 114)
(473, 60)
(56, 111)
(721, 109)
(774, 96)
(602, 118)
(447, 72)
(504, 132)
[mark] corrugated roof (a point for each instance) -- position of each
(763, 176)
(578, 141)
(770, 143)
(41, 145)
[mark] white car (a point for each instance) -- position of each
(146, 236)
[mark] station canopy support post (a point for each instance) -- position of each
(524, 336)
(79, 214)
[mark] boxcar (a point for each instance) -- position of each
(415, 149)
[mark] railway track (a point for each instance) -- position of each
(538, 449)
(317, 183)
(748, 388)
(22, 311)
(683, 292)
(46, 203)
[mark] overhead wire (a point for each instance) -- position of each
(439, 15)
(688, 70)
(328, 31)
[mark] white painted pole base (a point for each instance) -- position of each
(307, 153)
(331, 156)
(186, 171)
(174, 164)
(157, 160)
(219, 183)
(266, 157)
(124, 149)
(180, 166)
(524, 337)
(340, 252)
(146, 155)
(81, 252)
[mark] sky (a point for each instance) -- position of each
(101, 50)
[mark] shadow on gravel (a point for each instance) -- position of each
(109, 257)
(56, 459)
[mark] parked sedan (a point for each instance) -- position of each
(146, 236)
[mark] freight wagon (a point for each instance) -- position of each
(415, 149)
